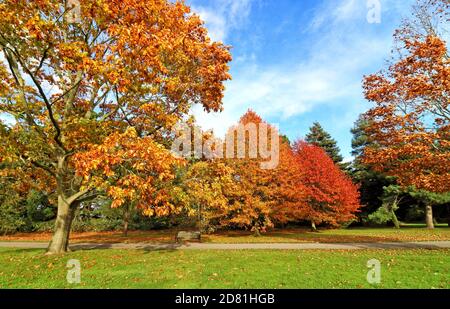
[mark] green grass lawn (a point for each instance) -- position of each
(226, 269)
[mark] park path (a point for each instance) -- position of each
(252, 246)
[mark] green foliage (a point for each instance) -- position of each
(414, 213)
(360, 139)
(319, 137)
(382, 216)
(413, 210)
(285, 139)
(12, 217)
(38, 207)
(430, 197)
(11, 206)
(23, 214)
(371, 183)
(99, 217)
(391, 198)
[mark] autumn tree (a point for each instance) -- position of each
(233, 189)
(250, 203)
(410, 120)
(93, 95)
(319, 137)
(287, 189)
(217, 189)
(330, 197)
(209, 185)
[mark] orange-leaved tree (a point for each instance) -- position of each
(287, 190)
(330, 197)
(91, 91)
(410, 121)
(250, 203)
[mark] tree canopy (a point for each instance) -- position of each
(319, 137)
(92, 97)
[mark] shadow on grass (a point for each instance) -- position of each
(21, 250)
(297, 235)
(156, 237)
(351, 235)
(120, 246)
(398, 246)
(165, 239)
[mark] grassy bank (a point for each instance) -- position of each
(226, 269)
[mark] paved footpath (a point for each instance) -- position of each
(266, 246)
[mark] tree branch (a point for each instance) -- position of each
(43, 96)
(76, 196)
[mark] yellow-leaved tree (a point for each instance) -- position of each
(90, 92)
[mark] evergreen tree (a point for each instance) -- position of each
(285, 139)
(360, 139)
(319, 137)
(371, 183)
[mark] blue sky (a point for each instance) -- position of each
(299, 61)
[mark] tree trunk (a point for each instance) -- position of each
(201, 224)
(126, 219)
(60, 239)
(448, 216)
(395, 220)
(257, 233)
(429, 217)
(313, 226)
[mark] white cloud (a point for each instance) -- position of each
(223, 16)
(347, 9)
(284, 92)
(328, 73)
(337, 12)
(216, 23)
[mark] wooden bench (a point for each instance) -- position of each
(186, 236)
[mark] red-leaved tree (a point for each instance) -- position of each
(330, 197)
